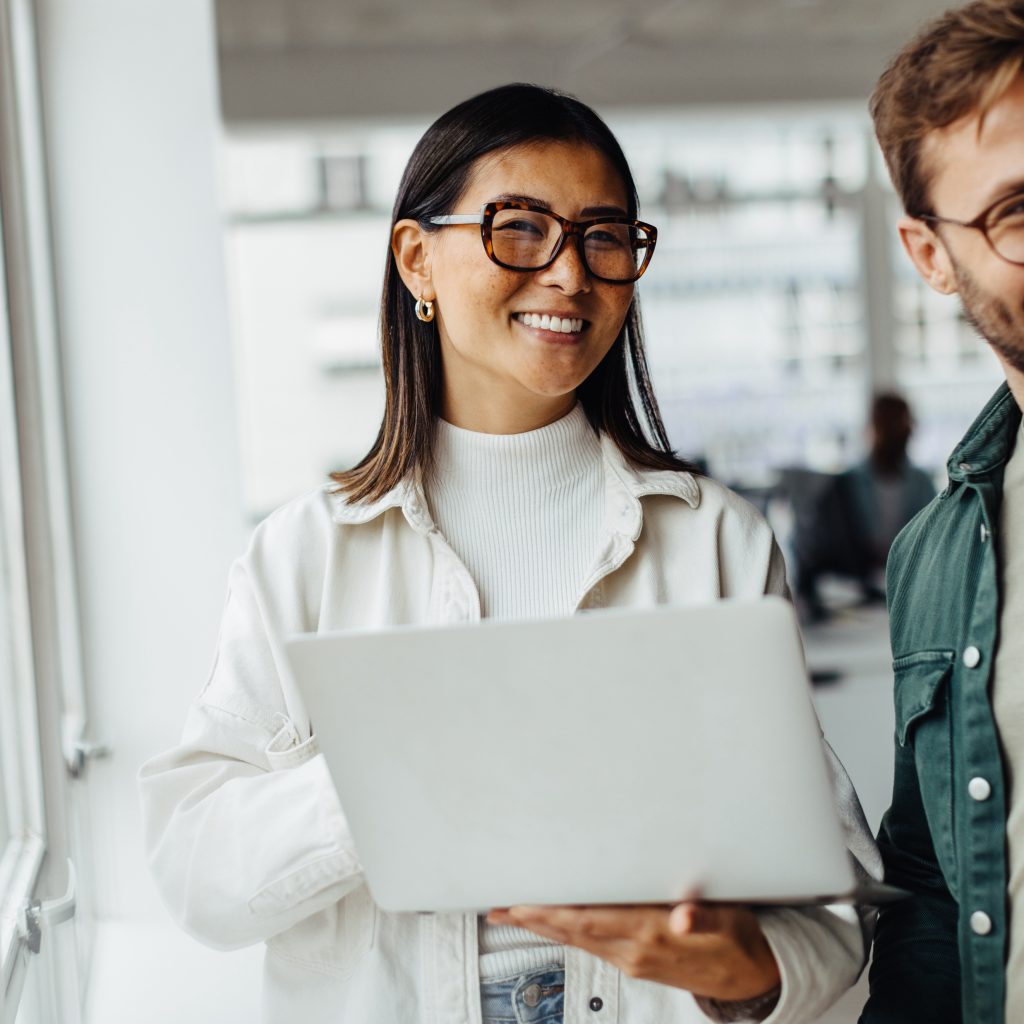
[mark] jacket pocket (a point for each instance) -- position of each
(919, 685)
(332, 941)
(924, 722)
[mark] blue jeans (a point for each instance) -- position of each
(537, 997)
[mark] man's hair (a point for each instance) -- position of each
(961, 63)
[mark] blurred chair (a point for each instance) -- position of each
(819, 534)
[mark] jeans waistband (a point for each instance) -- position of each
(535, 997)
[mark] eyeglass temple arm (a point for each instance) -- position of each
(932, 218)
(456, 218)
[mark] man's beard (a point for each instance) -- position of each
(993, 319)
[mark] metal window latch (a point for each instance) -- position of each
(36, 914)
(82, 752)
(78, 751)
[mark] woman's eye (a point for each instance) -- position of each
(521, 226)
(1013, 210)
(605, 238)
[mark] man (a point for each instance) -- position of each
(949, 115)
(859, 512)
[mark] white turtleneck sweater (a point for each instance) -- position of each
(1008, 706)
(524, 513)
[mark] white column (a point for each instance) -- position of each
(132, 124)
(877, 279)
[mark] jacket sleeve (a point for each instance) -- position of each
(915, 970)
(243, 829)
(820, 951)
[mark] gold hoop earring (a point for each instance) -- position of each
(424, 310)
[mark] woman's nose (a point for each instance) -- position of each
(568, 272)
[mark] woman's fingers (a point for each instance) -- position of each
(596, 922)
(696, 918)
(712, 950)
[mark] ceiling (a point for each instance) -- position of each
(315, 60)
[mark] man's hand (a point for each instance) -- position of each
(718, 952)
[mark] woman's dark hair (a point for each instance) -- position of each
(437, 174)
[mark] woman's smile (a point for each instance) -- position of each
(558, 328)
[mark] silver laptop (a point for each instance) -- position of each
(617, 756)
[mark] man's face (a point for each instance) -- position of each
(969, 172)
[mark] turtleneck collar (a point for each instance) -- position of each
(550, 455)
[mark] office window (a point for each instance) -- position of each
(42, 706)
(22, 822)
(753, 304)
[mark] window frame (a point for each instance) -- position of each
(22, 856)
(43, 697)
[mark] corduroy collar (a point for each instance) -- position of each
(989, 441)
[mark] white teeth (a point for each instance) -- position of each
(546, 322)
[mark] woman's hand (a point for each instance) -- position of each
(717, 952)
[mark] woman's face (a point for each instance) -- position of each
(502, 374)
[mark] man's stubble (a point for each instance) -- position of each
(993, 318)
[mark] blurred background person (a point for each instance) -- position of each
(858, 513)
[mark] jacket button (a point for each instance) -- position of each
(984, 533)
(972, 657)
(979, 788)
(596, 1003)
(981, 923)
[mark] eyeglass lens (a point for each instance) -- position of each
(526, 239)
(1005, 228)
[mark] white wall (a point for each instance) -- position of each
(132, 128)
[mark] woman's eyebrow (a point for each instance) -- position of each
(603, 211)
(589, 211)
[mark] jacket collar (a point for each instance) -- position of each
(407, 495)
(625, 485)
(989, 441)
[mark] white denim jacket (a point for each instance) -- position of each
(244, 831)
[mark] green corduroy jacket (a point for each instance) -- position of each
(939, 956)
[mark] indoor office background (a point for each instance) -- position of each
(194, 216)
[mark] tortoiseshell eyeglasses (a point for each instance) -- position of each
(519, 236)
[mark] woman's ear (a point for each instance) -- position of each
(928, 253)
(411, 246)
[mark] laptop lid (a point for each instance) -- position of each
(617, 756)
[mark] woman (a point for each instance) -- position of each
(514, 475)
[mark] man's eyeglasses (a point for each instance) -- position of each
(1002, 224)
(519, 236)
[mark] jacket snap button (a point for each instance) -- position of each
(981, 923)
(979, 788)
(596, 1003)
(984, 533)
(966, 467)
(531, 995)
(972, 657)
